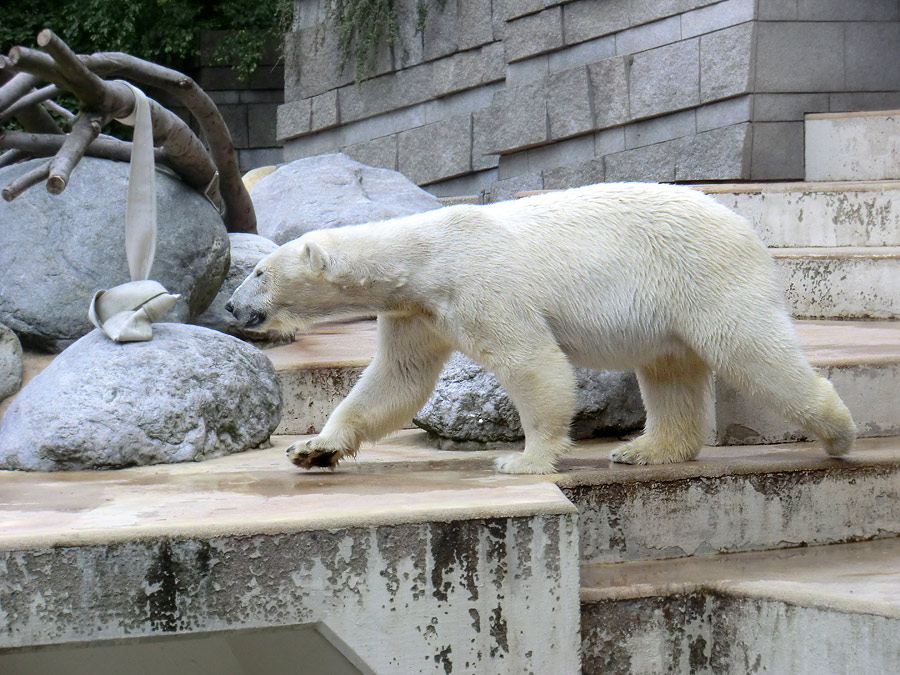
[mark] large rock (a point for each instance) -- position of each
(330, 191)
(188, 394)
(470, 410)
(57, 251)
(246, 251)
(10, 363)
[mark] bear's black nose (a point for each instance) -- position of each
(229, 307)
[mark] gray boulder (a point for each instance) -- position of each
(10, 363)
(470, 411)
(330, 191)
(246, 251)
(57, 251)
(188, 394)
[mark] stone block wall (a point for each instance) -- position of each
(497, 97)
(249, 107)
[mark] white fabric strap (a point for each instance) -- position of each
(140, 212)
(124, 313)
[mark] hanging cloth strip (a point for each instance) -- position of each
(124, 313)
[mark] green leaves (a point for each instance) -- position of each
(162, 31)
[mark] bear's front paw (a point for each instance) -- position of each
(517, 462)
(314, 453)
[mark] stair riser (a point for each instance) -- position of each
(853, 147)
(841, 287)
(808, 218)
(694, 516)
(712, 634)
(872, 393)
(311, 394)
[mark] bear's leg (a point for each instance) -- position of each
(408, 359)
(673, 388)
(541, 384)
(776, 372)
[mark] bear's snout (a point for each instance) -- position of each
(244, 314)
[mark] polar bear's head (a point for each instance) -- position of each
(301, 282)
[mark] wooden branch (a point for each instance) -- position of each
(39, 65)
(15, 88)
(65, 113)
(30, 99)
(12, 156)
(85, 130)
(45, 145)
(30, 116)
(89, 88)
(214, 172)
(239, 213)
(25, 181)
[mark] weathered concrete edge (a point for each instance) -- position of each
(766, 464)
(552, 503)
(845, 115)
(739, 590)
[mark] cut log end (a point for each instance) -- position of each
(56, 184)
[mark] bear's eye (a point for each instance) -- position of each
(259, 273)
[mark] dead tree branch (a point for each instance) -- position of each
(31, 117)
(13, 156)
(46, 145)
(25, 181)
(213, 171)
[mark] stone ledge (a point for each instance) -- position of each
(842, 577)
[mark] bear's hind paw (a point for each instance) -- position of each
(646, 450)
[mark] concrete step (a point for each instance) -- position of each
(862, 360)
(807, 611)
(732, 499)
(816, 214)
(853, 146)
(841, 282)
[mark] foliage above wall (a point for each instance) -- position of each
(364, 25)
(162, 31)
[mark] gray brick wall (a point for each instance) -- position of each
(517, 94)
(250, 108)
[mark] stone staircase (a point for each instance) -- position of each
(764, 555)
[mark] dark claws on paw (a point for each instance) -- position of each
(327, 459)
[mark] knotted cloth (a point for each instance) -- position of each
(124, 313)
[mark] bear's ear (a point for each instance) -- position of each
(316, 256)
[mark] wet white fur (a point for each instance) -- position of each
(658, 278)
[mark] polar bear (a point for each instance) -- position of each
(657, 278)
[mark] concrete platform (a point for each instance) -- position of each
(406, 573)
(825, 609)
(852, 146)
(808, 214)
